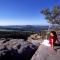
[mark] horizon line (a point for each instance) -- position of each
(25, 25)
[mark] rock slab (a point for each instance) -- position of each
(46, 53)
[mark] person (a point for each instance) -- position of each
(52, 38)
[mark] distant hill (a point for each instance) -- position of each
(35, 28)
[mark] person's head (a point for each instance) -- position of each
(53, 33)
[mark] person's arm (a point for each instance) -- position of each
(52, 43)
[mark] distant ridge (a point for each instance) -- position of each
(36, 28)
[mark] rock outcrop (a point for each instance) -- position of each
(35, 39)
(16, 49)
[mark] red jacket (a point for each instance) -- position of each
(52, 40)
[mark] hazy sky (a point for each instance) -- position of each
(24, 12)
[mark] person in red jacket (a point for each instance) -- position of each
(52, 38)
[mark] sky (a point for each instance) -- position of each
(24, 12)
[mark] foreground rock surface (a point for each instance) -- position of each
(16, 49)
(46, 53)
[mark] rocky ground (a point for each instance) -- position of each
(16, 49)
